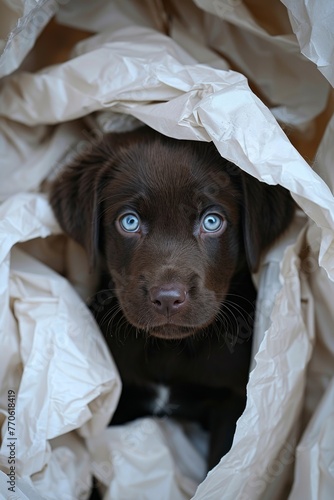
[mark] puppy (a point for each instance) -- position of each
(179, 229)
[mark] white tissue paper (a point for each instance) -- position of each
(52, 355)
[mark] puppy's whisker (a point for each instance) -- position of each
(237, 296)
(111, 312)
(228, 326)
(246, 317)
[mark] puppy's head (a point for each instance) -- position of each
(174, 222)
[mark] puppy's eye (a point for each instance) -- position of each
(212, 223)
(129, 223)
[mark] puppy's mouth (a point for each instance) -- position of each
(170, 317)
(171, 331)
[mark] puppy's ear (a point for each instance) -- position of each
(267, 212)
(74, 197)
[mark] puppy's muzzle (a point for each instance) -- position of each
(168, 299)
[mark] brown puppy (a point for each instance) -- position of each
(179, 229)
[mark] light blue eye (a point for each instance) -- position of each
(130, 223)
(212, 223)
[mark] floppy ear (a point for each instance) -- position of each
(267, 212)
(74, 197)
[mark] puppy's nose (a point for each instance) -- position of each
(168, 299)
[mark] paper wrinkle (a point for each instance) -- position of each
(24, 217)
(323, 164)
(108, 121)
(236, 12)
(136, 460)
(32, 153)
(111, 16)
(274, 63)
(314, 471)
(69, 380)
(30, 17)
(321, 365)
(227, 26)
(67, 258)
(104, 15)
(69, 470)
(312, 24)
(310, 92)
(268, 282)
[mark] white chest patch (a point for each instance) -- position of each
(161, 402)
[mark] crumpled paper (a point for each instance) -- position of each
(312, 24)
(24, 21)
(55, 358)
(139, 460)
(269, 56)
(314, 465)
(66, 391)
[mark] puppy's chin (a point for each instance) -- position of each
(170, 331)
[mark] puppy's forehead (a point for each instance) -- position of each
(172, 170)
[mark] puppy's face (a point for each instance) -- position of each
(174, 222)
(171, 234)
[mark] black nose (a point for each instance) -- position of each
(168, 299)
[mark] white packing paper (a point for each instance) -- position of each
(147, 459)
(312, 22)
(65, 381)
(296, 91)
(21, 23)
(314, 475)
(31, 153)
